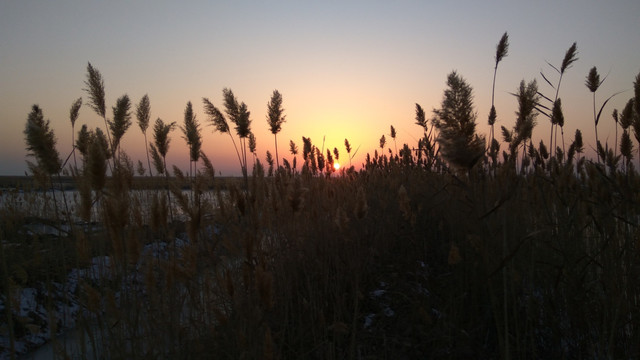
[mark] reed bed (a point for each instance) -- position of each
(420, 254)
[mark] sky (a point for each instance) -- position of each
(346, 69)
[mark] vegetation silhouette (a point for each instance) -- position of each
(275, 118)
(191, 131)
(456, 123)
(570, 57)
(239, 115)
(530, 256)
(143, 115)
(502, 50)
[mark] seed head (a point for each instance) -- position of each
(570, 57)
(593, 80)
(502, 49)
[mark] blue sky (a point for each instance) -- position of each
(346, 69)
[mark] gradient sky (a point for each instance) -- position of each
(346, 69)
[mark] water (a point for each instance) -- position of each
(56, 205)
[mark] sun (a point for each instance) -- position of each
(336, 166)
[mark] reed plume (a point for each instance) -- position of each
(542, 149)
(577, 142)
(627, 115)
(275, 118)
(557, 116)
(158, 163)
(392, 133)
(209, 171)
(329, 163)
(428, 141)
(421, 117)
(159, 152)
(306, 148)
(456, 122)
(73, 116)
(626, 121)
(253, 146)
(95, 89)
(270, 163)
(570, 57)
(239, 115)
(41, 142)
(191, 131)
(593, 82)
(97, 155)
(347, 147)
(143, 115)
(161, 138)
(83, 141)
(526, 115)
(121, 122)
(293, 149)
(220, 123)
(321, 160)
(626, 148)
(502, 50)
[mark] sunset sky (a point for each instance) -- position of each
(346, 69)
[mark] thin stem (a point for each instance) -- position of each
(146, 147)
(106, 125)
(562, 134)
(237, 153)
(554, 100)
(73, 146)
(166, 176)
(493, 92)
(596, 127)
(551, 141)
(275, 138)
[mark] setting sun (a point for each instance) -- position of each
(336, 166)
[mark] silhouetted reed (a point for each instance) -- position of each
(275, 118)
(456, 123)
(191, 131)
(502, 50)
(570, 57)
(404, 258)
(143, 115)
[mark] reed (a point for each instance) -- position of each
(570, 57)
(191, 131)
(143, 115)
(502, 50)
(405, 258)
(275, 118)
(456, 123)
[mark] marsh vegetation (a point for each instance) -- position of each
(454, 247)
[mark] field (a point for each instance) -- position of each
(459, 247)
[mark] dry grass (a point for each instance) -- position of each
(405, 259)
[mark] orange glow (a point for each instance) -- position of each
(336, 166)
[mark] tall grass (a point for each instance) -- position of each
(406, 258)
